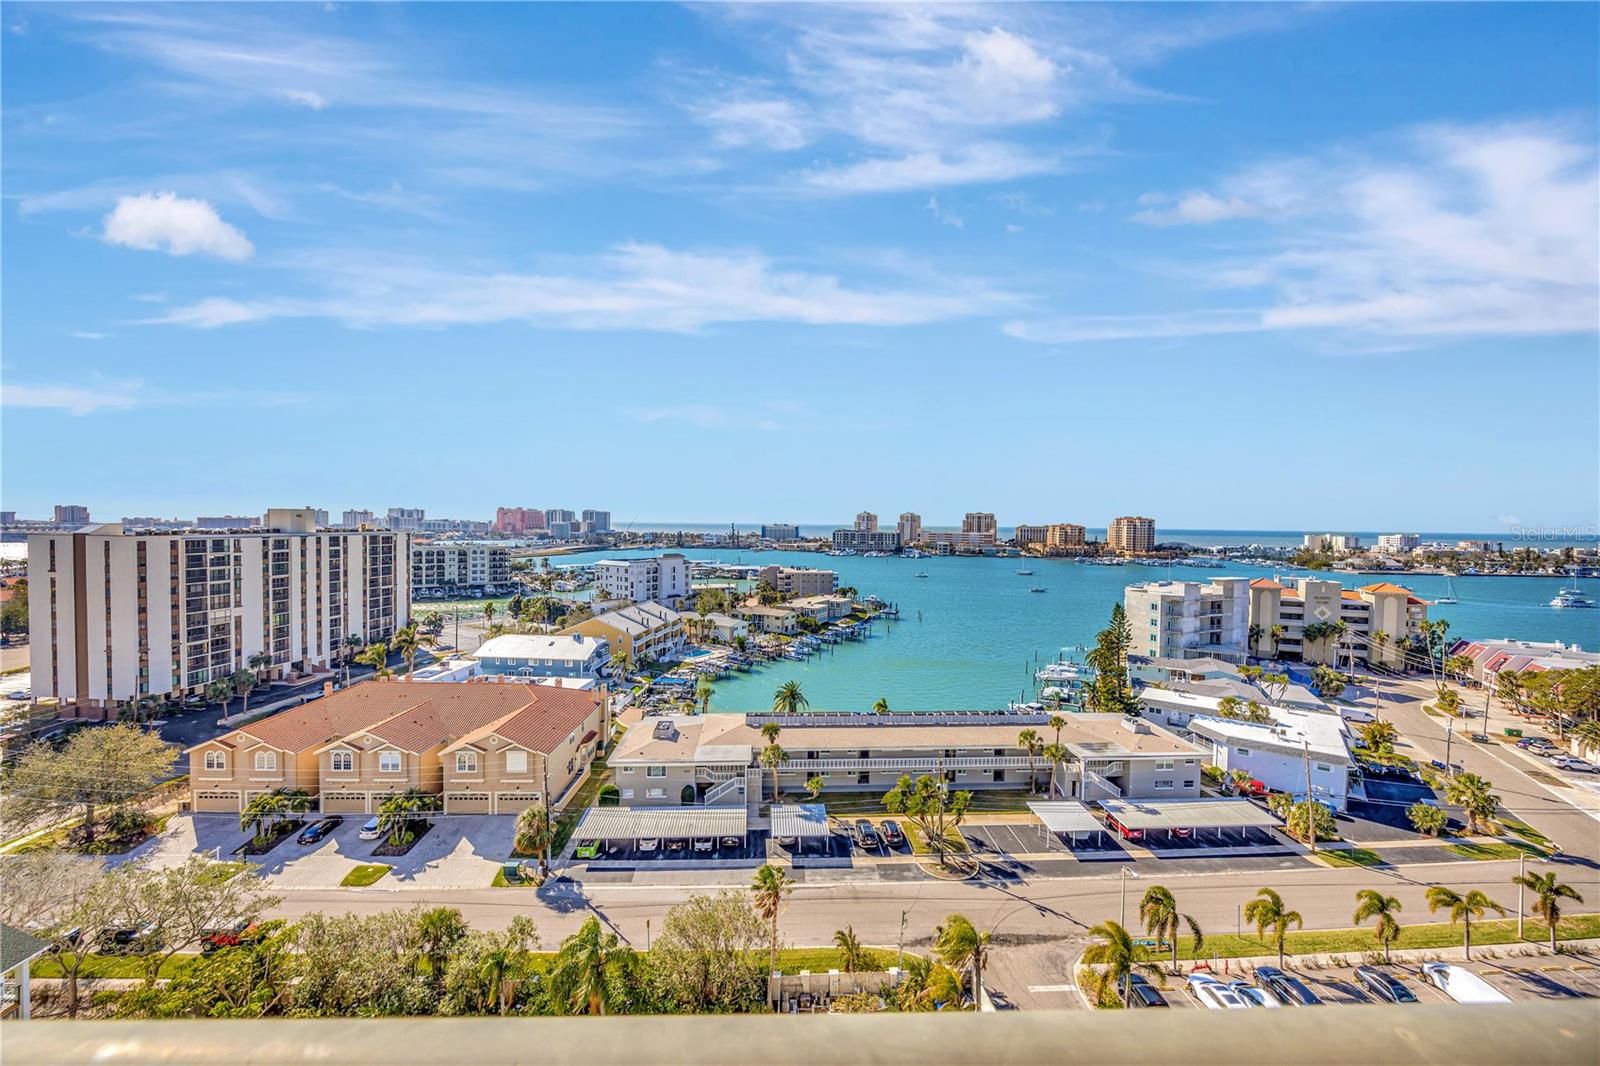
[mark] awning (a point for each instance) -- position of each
(1066, 816)
(632, 823)
(1202, 813)
(800, 820)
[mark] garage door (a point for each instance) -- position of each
(466, 803)
(344, 802)
(515, 802)
(216, 801)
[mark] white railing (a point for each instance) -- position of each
(724, 790)
(717, 774)
(1092, 778)
(915, 762)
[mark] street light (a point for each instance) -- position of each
(1522, 862)
(1123, 913)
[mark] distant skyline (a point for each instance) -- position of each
(1331, 267)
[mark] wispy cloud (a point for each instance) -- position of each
(632, 287)
(764, 418)
(943, 216)
(88, 335)
(75, 400)
(166, 222)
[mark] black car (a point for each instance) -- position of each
(866, 836)
(1138, 992)
(120, 940)
(892, 835)
(1284, 988)
(1383, 986)
(317, 830)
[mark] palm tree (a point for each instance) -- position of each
(501, 967)
(488, 614)
(1548, 893)
(1114, 957)
(1462, 908)
(1055, 755)
(771, 887)
(1267, 911)
(580, 977)
(351, 645)
(260, 663)
(703, 689)
(773, 756)
(789, 699)
(1057, 723)
(534, 834)
(410, 639)
(1030, 741)
(881, 706)
(376, 655)
(1277, 634)
(1472, 794)
(1255, 633)
(1587, 736)
(219, 691)
(1370, 903)
(1159, 912)
(852, 956)
(958, 943)
(1240, 779)
(261, 813)
(815, 785)
(438, 931)
(1380, 641)
(1338, 630)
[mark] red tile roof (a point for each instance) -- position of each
(1265, 583)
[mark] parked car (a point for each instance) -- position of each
(223, 935)
(704, 844)
(588, 850)
(319, 829)
(649, 843)
(1461, 984)
(1383, 985)
(369, 831)
(733, 842)
(1138, 993)
(892, 835)
(787, 843)
(677, 844)
(1285, 988)
(1126, 833)
(118, 940)
(866, 836)
(1212, 993)
(1534, 742)
(1253, 996)
(1575, 764)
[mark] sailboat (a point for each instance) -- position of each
(1449, 591)
(1572, 597)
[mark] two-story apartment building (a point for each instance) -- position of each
(544, 655)
(485, 748)
(710, 759)
(639, 631)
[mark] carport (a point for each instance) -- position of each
(633, 824)
(1178, 818)
(801, 822)
(1066, 816)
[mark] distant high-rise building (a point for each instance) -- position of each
(977, 522)
(322, 518)
(164, 524)
(1335, 542)
(1131, 534)
(662, 579)
(1027, 535)
(597, 521)
(8, 518)
(353, 519)
(779, 531)
(866, 522)
(910, 529)
(406, 518)
(560, 530)
(1398, 542)
(558, 514)
(1065, 536)
(518, 520)
(71, 514)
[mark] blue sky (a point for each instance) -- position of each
(1245, 266)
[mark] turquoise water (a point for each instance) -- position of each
(980, 629)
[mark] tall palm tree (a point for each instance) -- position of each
(352, 644)
(1114, 957)
(502, 967)
(771, 888)
(1267, 911)
(881, 706)
(852, 956)
(376, 655)
(488, 613)
(410, 639)
(788, 699)
(1159, 912)
(1380, 642)
(1057, 723)
(772, 757)
(1338, 630)
(1030, 741)
(958, 943)
(438, 931)
(1055, 755)
(260, 663)
(703, 690)
(1254, 634)
(1277, 634)
(580, 977)
(770, 731)
(1472, 793)
(534, 834)
(1462, 908)
(1370, 903)
(243, 682)
(1548, 894)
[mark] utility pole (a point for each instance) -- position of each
(1311, 819)
(900, 962)
(1449, 734)
(1522, 862)
(544, 766)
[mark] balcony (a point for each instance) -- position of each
(931, 764)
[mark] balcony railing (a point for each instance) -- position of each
(926, 763)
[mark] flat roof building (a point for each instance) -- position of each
(1131, 535)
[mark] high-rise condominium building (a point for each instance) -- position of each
(596, 521)
(353, 519)
(408, 519)
(1064, 536)
(662, 579)
(1376, 618)
(1027, 535)
(780, 531)
(1398, 542)
(866, 522)
(1131, 534)
(453, 568)
(71, 514)
(559, 514)
(518, 520)
(864, 540)
(1189, 620)
(1334, 542)
(910, 529)
(978, 522)
(117, 615)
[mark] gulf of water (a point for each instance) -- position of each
(970, 634)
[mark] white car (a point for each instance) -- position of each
(1572, 762)
(369, 831)
(1253, 996)
(1461, 984)
(1213, 994)
(1359, 715)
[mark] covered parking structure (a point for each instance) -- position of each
(1069, 818)
(1232, 820)
(638, 827)
(800, 822)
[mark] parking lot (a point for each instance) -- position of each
(615, 854)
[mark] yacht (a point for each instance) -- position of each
(920, 573)
(1037, 588)
(1573, 597)
(1449, 591)
(1062, 672)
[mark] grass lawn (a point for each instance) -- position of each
(587, 795)
(366, 874)
(112, 966)
(1350, 857)
(1493, 849)
(956, 843)
(104, 844)
(1525, 831)
(821, 960)
(1355, 941)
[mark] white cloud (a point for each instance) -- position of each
(943, 216)
(768, 123)
(635, 286)
(1012, 227)
(977, 163)
(88, 335)
(164, 221)
(73, 399)
(305, 97)
(1198, 207)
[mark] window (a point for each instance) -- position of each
(516, 762)
(1241, 751)
(343, 761)
(655, 793)
(1165, 764)
(1163, 782)
(1323, 767)
(266, 760)
(627, 769)
(466, 762)
(655, 771)
(388, 762)
(627, 793)
(216, 760)
(1188, 784)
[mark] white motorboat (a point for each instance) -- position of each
(1573, 597)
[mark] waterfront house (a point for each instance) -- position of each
(725, 627)
(544, 655)
(770, 619)
(822, 608)
(637, 632)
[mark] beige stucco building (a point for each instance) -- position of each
(1131, 534)
(1395, 611)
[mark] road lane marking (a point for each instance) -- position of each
(1052, 988)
